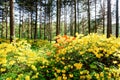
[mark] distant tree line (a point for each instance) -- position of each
(44, 19)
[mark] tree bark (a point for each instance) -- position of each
(35, 34)
(11, 21)
(6, 20)
(89, 30)
(65, 19)
(58, 17)
(117, 18)
(109, 18)
(75, 27)
(95, 19)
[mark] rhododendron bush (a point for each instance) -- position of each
(91, 57)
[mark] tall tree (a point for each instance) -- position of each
(117, 18)
(6, 10)
(65, 17)
(11, 21)
(95, 18)
(89, 17)
(109, 26)
(103, 16)
(58, 17)
(75, 17)
(35, 34)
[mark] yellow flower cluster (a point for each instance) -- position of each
(19, 53)
(78, 65)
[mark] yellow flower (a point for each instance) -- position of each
(63, 75)
(78, 65)
(63, 71)
(63, 58)
(71, 75)
(9, 78)
(58, 71)
(64, 78)
(12, 62)
(17, 79)
(65, 67)
(115, 62)
(59, 78)
(27, 77)
(55, 74)
(33, 67)
(2, 69)
(101, 74)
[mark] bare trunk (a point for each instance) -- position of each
(75, 27)
(95, 18)
(65, 20)
(89, 30)
(11, 21)
(35, 34)
(108, 18)
(6, 21)
(117, 18)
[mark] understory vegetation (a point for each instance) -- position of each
(91, 57)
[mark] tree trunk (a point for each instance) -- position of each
(31, 25)
(40, 26)
(71, 21)
(117, 18)
(78, 26)
(45, 24)
(65, 19)
(6, 21)
(11, 21)
(95, 19)
(20, 23)
(58, 18)
(28, 25)
(75, 18)
(35, 34)
(109, 27)
(103, 17)
(2, 29)
(89, 30)
(50, 27)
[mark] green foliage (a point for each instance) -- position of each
(89, 57)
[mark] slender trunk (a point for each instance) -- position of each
(20, 23)
(45, 22)
(78, 18)
(95, 18)
(11, 21)
(31, 25)
(50, 36)
(6, 21)
(65, 20)
(35, 34)
(75, 27)
(40, 26)
(108, 18)
(59, 13)
(103, 17)
(58, 18)
(89, 31)
(71, 21)
(28, 25)
(2, 30)
(117, 18)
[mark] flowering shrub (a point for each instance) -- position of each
(91, 57)
(17, 61)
